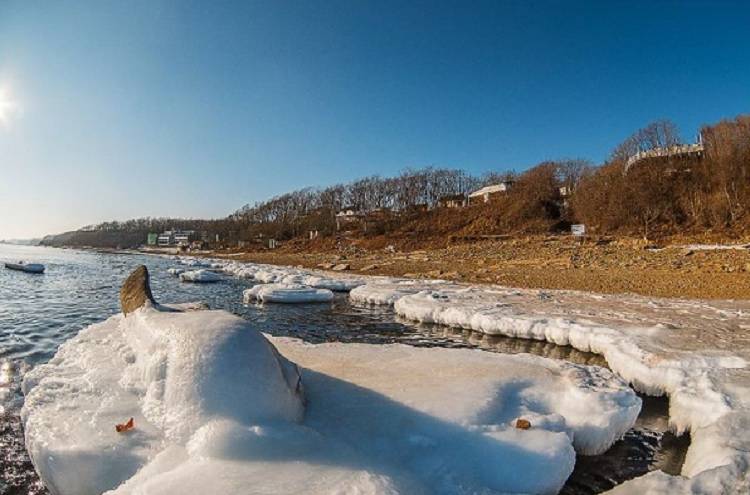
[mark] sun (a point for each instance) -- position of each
(7, 106)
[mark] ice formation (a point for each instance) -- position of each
(287, 293)
(708, 388)
(200, 276)
(217, 409)
(173, 372)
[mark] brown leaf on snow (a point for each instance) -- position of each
(122, 428)
(523, 424)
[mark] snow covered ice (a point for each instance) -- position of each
(686, 349)
(218, 409)
(377, 419)
(200, 276)
(287, 293)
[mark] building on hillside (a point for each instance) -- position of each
(694, 150)
(152, 238)
(452, 201)
(486, 193)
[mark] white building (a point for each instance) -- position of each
(484, 194)
(175, 238)
(165, 238)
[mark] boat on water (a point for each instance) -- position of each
(26, 267)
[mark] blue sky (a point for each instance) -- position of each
(177, 108)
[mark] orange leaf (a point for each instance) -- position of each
(122, 428)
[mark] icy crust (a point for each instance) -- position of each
(269, 274)
(200, 276)
(287, 293)
(387, 293)
(171, 372)
(708, 393)
(218, 410)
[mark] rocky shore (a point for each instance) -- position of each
(679, 270)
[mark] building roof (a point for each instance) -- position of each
(494, 188)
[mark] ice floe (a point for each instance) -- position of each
(287, 293)
(217, 409)
(200, 276)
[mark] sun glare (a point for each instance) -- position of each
(7, 106)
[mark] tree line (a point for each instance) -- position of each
(656, 195)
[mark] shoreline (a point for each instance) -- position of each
(621, 267)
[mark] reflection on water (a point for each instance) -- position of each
(39, 312)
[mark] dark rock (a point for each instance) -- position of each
(136, 291)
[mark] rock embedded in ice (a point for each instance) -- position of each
(287, 293)
(200, 276)
(136, 291)
(172, 371)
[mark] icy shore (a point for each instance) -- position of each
(694, 351)
(217, 409)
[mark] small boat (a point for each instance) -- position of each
(26, 267)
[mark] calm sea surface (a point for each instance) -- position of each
(39, 312)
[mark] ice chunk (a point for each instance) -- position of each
(200, 276)
(172, 372)
(387, 293)
(287, 293)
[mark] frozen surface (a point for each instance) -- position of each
(694, 351)
(200, 276)
(269, 274)
(386, 293)
(176, 271)
(287, 293)
(171, 372)
(218, 410)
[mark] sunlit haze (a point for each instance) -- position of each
(113, 110)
